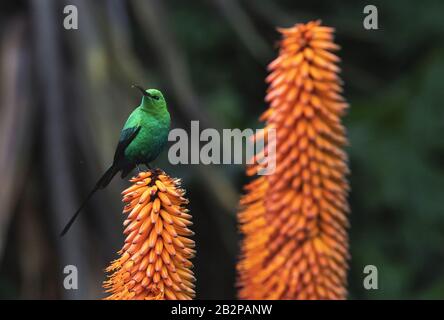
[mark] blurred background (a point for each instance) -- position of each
(65, 94)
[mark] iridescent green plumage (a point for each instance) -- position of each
(152, 120)
(143, 137)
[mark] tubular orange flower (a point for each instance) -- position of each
(294, 221)
(154, 261)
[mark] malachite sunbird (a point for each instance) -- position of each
(142, 138)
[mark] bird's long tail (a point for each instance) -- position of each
(102, 183)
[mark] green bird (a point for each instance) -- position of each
(142, 138)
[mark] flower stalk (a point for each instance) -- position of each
(294, 221)
(154, 263)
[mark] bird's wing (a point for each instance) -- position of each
(126, 136)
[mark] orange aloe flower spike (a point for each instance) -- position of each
(294, 220)
(154, 263)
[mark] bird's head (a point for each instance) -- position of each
(152, 99)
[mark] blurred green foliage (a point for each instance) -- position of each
(394, 83)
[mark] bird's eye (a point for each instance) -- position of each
(155, 97)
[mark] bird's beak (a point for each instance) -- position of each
(146, 94)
